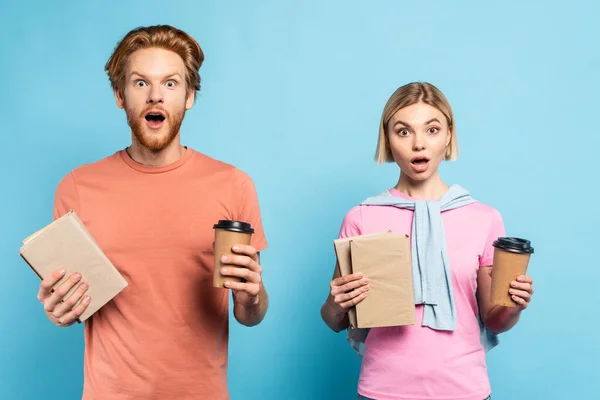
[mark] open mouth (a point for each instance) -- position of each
(419, 164)
(419, 161)
(155, 118)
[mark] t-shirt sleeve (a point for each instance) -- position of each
(351, 224)
(495, 230)
(248, 208)
(66, 197)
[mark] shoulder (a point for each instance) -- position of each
(225, 177)
(88, 169)
(207, 162)
(351, 223)
(483, 210)
(212, 165)
(485, 215)
(353, 216)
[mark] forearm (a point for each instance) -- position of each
(252, 314)
(501, 319)
(334, 317)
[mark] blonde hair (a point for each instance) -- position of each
(407, 95)
(160, 36)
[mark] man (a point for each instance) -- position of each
(151, 207)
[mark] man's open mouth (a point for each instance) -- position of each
(155, 117)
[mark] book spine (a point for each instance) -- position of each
(30, 266)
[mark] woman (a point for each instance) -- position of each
(442, 356)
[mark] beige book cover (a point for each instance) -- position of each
(386, 262)
(385, 259)
(344, 263)
(66, 243)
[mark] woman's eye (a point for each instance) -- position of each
(433, 130)
(403, 132)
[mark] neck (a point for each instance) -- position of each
(431, 189)
(156, 158)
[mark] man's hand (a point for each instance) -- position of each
(245, 265)
(58, 308)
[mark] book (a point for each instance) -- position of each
(66, 243)
(385, 259)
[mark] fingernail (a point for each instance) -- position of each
(224, 258)
(87, 299)
(62, 271)
(366, 280)
(84, 286)
(360, 274)
(236, 247)
(521, 279)
(512, 291)
(223, 270)
(77, 276)
(227, 284)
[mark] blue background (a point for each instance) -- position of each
(292, 93)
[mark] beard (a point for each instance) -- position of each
(154, 140)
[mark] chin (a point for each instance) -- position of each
(155, 141)
(419, 178)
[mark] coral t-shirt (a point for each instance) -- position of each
(165, 336)
(417, 362)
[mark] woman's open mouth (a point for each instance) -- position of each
(420, 164)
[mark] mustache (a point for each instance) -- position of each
(148, 109)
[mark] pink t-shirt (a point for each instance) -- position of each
(417, 362)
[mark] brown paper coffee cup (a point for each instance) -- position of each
(227, 234)
(511, 258)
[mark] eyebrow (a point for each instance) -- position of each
(426, 123)
(402, 123)
(168, 76)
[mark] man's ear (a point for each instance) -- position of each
(119, 99)
(189, 101)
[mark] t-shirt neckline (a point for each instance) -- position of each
(148, 169)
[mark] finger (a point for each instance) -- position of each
(525, 279)
(521, 294)
(245, 273)
(48, 282)
(349, 286)
(522, 286)
(342, 280)
(245, 249)
(521, 302)
(242, 261)
(354, 301)
(344, 297)
(250, 288)
(59, 293)
(70, 317)
(69, 303)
